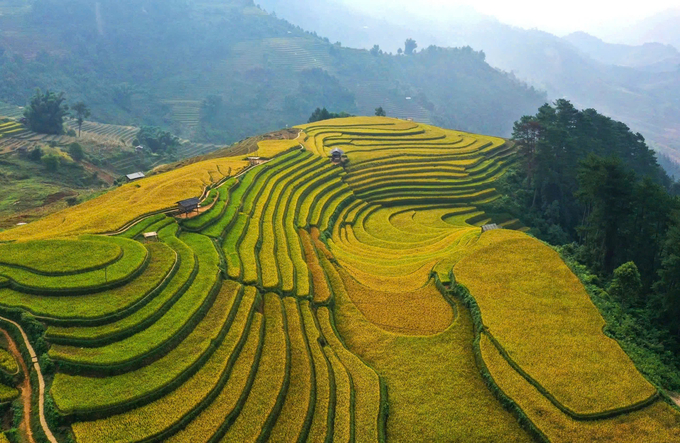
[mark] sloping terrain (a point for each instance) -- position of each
(310, 300)
(255, 72)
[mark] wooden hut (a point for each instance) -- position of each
(188, 206)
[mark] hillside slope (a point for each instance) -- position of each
(155, 62)
(317, 301)
(638, 88)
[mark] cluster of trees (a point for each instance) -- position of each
(586, 180)
(320, 114)
(46, 112)
(157, 140)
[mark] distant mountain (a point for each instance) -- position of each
(637, 85)
(649, 56)
(220, 71)
(662, 28)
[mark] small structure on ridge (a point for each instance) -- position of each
(188, 206)
(337, 156)
(255, 161)
(151, 236)
(135, 176)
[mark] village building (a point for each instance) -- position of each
(255, 161)
(187, 206)
(135, 176)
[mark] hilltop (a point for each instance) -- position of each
(635, 83)
(247, 73)
(318, 300)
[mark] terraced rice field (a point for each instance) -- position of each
(315, 302)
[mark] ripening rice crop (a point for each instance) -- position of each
(73, 393)
(115, 208)
(445, 361)
(160, 416)
(541, 314)
(365, 383)
(60, 256)
(272, 148)
(98, 304)
(216, 418)
(324, 388)
(364, 339)
(292, 421)
(658, 422)
(258, 412)
(342, 422)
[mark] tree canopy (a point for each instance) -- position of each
(46, 111)
(323, 114)
(157, 140)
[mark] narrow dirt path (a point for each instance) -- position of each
(41, 384)
(24, 388)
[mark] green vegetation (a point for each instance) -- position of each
(277, 73)
(313, 301)
(45, 113)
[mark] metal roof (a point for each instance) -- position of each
(135, 176)
(337, 151)
(189, 202)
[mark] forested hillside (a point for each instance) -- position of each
(637, 85)
(221, 70)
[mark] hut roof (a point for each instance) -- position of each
(337, 151)
(189, 202)
(135, 176)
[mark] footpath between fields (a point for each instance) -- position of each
(26, 395)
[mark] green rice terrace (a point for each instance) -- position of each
(347, 289)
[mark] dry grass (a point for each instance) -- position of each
(542, 315)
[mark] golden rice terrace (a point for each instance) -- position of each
(344, 290)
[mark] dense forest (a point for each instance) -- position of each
(587, 182)
(221, 71)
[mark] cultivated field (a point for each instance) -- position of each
(317, 302)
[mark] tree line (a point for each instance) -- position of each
(588, 182)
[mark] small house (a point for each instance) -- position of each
(151, 236)
(135, 176)
(337, 156)
(188, 206)
(254, 161)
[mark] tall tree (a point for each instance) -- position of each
(410, 46)
(81, 112)
(605, 193)
(669, 275)
(45, 113)
(380, 112)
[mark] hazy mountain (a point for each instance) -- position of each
(155, 62)
(649, 56)
(644, 91)
(663, 28)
